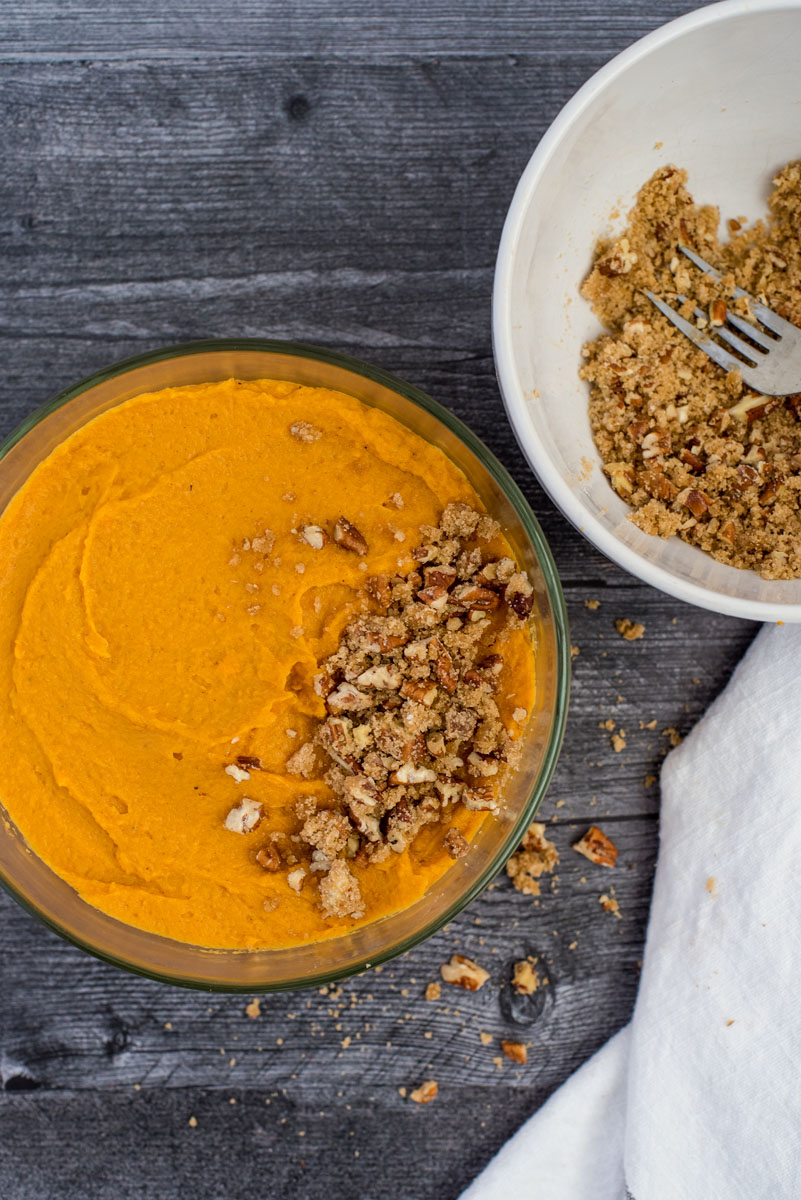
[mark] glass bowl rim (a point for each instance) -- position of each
(556, 600)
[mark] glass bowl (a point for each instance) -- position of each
(55, 903)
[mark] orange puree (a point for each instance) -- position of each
(138, 656)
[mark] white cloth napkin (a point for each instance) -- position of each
(699, 1097)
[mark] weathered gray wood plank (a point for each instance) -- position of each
(327, 29)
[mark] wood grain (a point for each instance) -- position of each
(337, 174)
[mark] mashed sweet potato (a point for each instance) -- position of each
(142, 648)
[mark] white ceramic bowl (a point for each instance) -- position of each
(717, 92)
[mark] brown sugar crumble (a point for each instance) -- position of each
(609, 904)
(597, 847)
(692, 450)
(632, 631)
(426, 1092)
(536, 857)
(525, 976)
(413, 728)
(516, 1051)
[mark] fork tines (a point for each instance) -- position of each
(767, 353)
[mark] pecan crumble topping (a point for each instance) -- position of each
(691, 449)
(536, 857)
(413, 728)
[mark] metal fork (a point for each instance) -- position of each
(769, 358)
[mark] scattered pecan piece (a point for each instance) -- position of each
(464, 973)
(427, 1092)
(347, 536)
(525, 977)
(597, 847)
(435, 597)
(632, 631)
(516, 1051)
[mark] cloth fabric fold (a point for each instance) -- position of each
(699, 1098)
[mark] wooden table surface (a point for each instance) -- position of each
(334, 173)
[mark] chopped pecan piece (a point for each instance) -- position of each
(696, 501)
(656, 444)
(347, 536)
(268, 857)
(244, 816)
(378, 589)
(657, 484)
(516, 1051)
(443, 666)
(747, 476)
(442, 577)
(597, 847)
(423, 691)
(435, 597)
(455, 843)
(347, 698)
(464, 973)
(249, 762)
(621, 476)
(384, 676)
(477, 799)
(519, 595)
(315, 536)
(409, 773)
(474, 598)
(691, 460)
